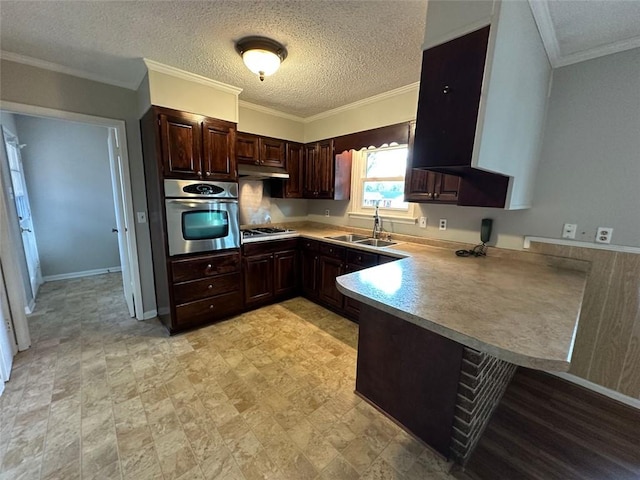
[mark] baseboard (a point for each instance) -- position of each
(149, 315)
(86, 273)
(607, 392)
(31, 307)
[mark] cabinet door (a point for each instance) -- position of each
(446, 188)
(450, 86)
(247, 149)
(284, 272)
(180, 138)
(310, 171)
(293, 187)
(330, 268)
(309, 273)
(219, 162)
(258, 278)
(419, 185)
(272, 152)
(325, 169)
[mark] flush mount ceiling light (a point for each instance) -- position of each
(261, 55)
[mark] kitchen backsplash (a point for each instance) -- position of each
(255, 203)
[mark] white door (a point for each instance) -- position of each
(21, 198)
(123, 230)
(8, 346)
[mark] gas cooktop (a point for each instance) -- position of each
(266, 233)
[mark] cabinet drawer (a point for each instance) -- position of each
(331, 250)
(361, 259)
(307, 244)
(269, 246)
(196, 289)
(208, 309)
(205, 266)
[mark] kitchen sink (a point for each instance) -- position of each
(352, 237)
(376, 242)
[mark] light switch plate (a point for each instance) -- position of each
(422, 222)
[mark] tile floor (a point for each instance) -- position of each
(267, 394)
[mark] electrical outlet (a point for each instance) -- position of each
(142, 217)
(326, 213)
(422, 222)
(569, 230)
(443, 224)
(603, 235)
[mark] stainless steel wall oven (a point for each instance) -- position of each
(201, 216)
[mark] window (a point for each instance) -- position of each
(378, 179)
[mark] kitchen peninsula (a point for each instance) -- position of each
(441, 336)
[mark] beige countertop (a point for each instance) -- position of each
(523, 312)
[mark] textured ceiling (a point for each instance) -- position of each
(339, 51)
(586, 25)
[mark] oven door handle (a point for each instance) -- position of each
(199, 200)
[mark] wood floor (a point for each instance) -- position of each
(546, 428)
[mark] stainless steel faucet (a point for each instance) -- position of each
(377, 224)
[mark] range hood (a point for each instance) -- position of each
(261, 172)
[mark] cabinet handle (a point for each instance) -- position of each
(209, 266)
(436, 195)
(446, 89)
(359, 259)
(210, 307)
(210, 287)
(206, 174)
(257, 162)
(199, 172)
(429, 195)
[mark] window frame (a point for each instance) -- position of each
(358, 179)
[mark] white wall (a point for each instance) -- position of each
(69, 183)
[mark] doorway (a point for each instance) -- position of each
(118, 170)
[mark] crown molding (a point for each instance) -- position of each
(366, 101)
(542, 17)
(596, 52)
(270, 111)
(55, 67)
(191, 77)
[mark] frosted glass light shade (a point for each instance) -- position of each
(261, 62)
(261, 55)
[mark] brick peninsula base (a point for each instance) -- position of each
(437, 389)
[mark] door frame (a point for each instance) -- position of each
(125, 186)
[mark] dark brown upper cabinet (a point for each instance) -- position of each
(256, 150)
(294, 162)
(425, 186)
(180, 139)
(247, 149)
(218, 162)
(449, 100)
(325, 175)
(195, 147)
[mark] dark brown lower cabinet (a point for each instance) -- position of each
(309, 261)
(204, 288)
(258, 278)
(330, 268)
(358, 260)
(410, 373)
(270, 271)
(321, 263)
